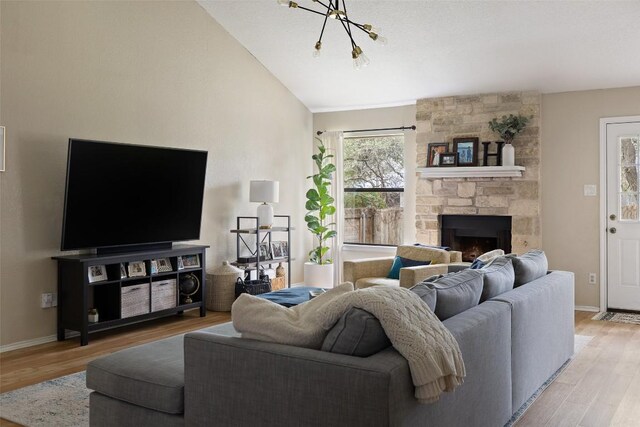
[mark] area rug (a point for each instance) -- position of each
(580, 342)
(64, 401)
(611, 316)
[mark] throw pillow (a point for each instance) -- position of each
(488, 256)
(498, 277)
(359, 333)
(400, 262)
(477, 264)
(529, 267)
(456, 292)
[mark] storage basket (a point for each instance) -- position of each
(278, 283)
(163, 294)
(253, 287)
(221, 284)
(134, 300)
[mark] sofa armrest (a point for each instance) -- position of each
(455, 256)
(454, 267)
(242, 382)
(369, 267)
(411, 276)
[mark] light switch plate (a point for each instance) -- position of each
(590, 190)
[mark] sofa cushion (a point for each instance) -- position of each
(400, 262)
(529, 267)
(426, 294)
(149, 375)
(456, 292)
(498, 278)
(359, 333)
(367, 282)
(488, 256)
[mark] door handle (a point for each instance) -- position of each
(612, 230)
(612, 217)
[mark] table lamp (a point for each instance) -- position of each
(264, 192)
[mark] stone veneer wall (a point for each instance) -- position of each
(441, 120)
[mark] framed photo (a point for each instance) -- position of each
(190, 261)
(123, 271)
(265, 251)
(164, 265)
(285, 249)
(467, 150)
(448, 159)
(154, 266)
(97, 273)
(276, 249)
(137, 269)
(434, 151)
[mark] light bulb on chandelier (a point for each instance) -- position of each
(360, 60)
(316, 50)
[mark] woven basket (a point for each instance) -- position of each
(134, 300)
(221, 285)
(278, 283)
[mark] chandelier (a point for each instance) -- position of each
(334, 11)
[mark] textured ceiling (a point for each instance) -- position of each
(441, 48)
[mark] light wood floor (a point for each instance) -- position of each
(601, 386)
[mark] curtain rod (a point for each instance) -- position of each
(320, 132)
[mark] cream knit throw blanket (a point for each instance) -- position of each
(416, 333)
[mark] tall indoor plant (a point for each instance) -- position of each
(508, 128)
(318, 271)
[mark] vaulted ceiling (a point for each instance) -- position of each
(439, 48)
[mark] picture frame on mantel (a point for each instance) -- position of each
(448, 160)
(434, 151)
(467, 150)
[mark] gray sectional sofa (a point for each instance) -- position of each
(511, 344)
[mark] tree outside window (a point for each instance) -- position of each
(374, 187)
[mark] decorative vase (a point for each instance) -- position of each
(508, 155)
(318, 275)
(280, 270)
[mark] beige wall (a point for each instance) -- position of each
(377, 118)
(158, 73)
(570, 159)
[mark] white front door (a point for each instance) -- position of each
(623, 215)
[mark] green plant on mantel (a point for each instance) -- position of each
(320, 205)
(509, 127)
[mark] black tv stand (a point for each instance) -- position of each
(152, 294)
(109, 250)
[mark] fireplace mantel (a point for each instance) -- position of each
(472, 172)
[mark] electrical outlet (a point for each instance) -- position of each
(45, 300)
(592, 278)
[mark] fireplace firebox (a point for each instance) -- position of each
(474, 235)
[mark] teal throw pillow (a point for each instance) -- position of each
(399, 263)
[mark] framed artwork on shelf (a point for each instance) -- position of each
(265, 251)
(164, 265)
(190, 261)
(434, 151)
(154, 266)
(97, 273)
(448, 159)
(137, 269)
(123, 271)
(467, 150)
(276, 249)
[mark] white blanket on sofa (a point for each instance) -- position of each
(433, 354)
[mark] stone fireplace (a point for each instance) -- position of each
(441, 120)
(474, 235)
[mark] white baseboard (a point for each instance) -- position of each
(587, 308)
(27, 343)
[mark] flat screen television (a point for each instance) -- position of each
(122, 197)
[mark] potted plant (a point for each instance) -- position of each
(318, 271)
(508, 128)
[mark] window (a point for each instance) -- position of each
(373, 189)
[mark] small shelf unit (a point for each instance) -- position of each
(262, 235)
(76, 295)
(472, 172)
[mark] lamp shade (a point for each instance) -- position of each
(264, 191)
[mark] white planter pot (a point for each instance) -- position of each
(508, 155)
(319, 276)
